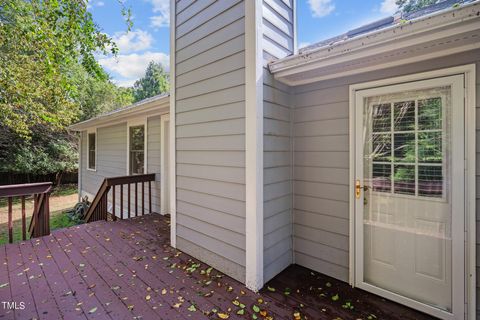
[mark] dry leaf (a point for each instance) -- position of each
(223, 315)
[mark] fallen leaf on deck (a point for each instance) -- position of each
(335, 297)
(192, 308)
(271, 289)
(148, 298)
(255, 308)
(164, 291)
(92, 310)
(223, 315)
(241, 312)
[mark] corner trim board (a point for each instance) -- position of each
(172, 153)
(254, 144)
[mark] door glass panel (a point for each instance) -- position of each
(407, 203)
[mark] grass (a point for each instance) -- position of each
(58, 219)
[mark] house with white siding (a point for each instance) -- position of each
(354, 157)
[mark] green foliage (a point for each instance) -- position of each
(155, 81)
(49, 77)
(47, 151)
(96, 96)
(413, 5)
(77, 213)
(39, 42)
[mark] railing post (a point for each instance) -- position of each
(35, 213)
(129, 206)
(46, 219)
(150, 196)
(24, 222)
(136, 199)
(10, 220)
(113, 202)
(143, 198)
(121, 201)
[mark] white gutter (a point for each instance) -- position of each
(156, 102)
(427, 28)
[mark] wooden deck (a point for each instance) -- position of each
(126, 270)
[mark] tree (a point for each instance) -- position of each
(155, 81)
(96, 96)
(49, 78)
(40, 41)
(414, 5)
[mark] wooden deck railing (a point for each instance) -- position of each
(98, 209)
(40, 221)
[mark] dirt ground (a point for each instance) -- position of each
(56, 203)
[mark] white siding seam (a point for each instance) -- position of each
(210, 194)
(234, 2)
(209, 92)
(223, 212)
(209, 34)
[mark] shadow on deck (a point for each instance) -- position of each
(127, 270)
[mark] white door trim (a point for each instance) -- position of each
(163, 168)
(470, 237)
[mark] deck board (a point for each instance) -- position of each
(127, 270)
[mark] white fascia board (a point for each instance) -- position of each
(428, 28)
(149, 106)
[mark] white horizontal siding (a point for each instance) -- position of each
(210, 133)
(277, 141)
(321, 166)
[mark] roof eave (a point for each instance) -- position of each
(133, 110)
(463, 19)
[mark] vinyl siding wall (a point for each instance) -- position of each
(277, 43)
(112, 162)
(210, 132)
(321, 165)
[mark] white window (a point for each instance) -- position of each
(136, 152)
(92, 150)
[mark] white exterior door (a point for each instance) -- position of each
(409, 207)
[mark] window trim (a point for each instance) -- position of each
(135, 123)
(89, 132)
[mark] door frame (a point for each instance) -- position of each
(163, 168)
(468, 71)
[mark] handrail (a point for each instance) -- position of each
(98, 209)
(40, 221)
(15, 190)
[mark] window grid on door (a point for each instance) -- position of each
(418, 157)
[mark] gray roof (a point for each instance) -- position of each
(120, 111)
(397, 18)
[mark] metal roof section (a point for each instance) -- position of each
(446, 28)
(145, 105)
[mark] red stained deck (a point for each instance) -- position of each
(126, 270)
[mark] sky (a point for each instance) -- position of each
(149, 38)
